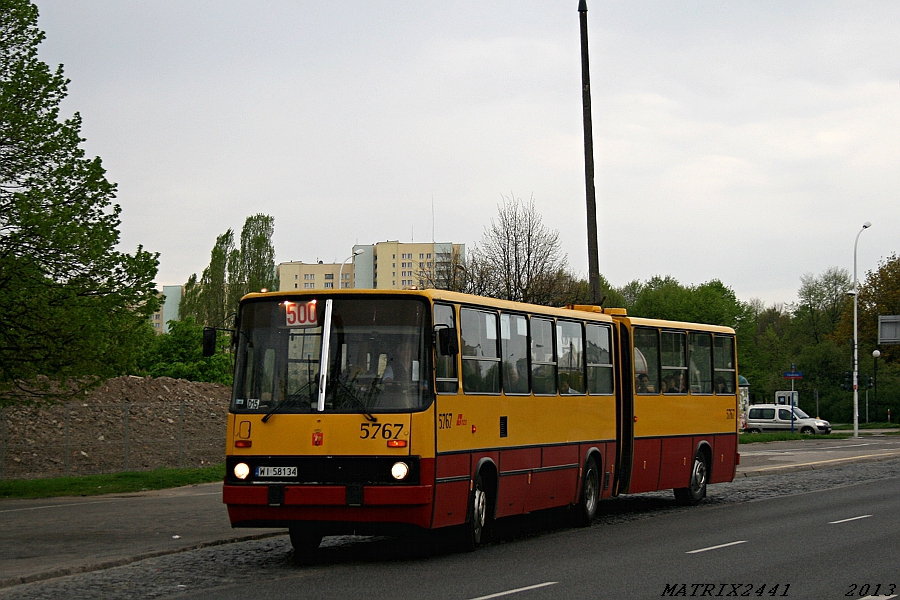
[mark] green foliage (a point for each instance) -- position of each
(879, 294)
(232, 273)
(72, 308)
(665, 298)
(178, 354)
(257, 257)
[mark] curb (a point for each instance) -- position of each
(126, 560)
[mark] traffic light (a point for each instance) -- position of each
(847, 385)
(869, 382)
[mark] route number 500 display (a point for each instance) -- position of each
(301, 314)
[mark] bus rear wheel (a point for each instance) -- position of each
(586, 509)
(305, 542)
(696, 490)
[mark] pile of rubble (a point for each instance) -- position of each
(127, 423)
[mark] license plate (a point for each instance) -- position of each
(276, 471)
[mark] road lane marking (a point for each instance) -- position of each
(516, 591)
(850, 519)
(715, 547)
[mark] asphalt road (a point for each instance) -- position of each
(836, 543)
(50, 538)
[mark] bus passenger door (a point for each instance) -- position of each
(624, 410)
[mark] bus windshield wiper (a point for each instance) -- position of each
(348, 391)
(288, 401)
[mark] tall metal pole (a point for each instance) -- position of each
(865, 226)
(593, 253)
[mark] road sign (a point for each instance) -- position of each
(793, 375)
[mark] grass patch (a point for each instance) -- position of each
(752, 438)
(112, 483)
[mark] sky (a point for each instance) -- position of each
(741, 141)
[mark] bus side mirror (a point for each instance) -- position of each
(209, 341)
(448, 345)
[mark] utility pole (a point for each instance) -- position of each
(593, 253)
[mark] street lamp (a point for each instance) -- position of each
(865, 226)
(356, 252)
(876, 354)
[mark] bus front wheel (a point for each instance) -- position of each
(479, 517)
(305, 542)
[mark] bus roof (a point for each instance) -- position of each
(445, 296)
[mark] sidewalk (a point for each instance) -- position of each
(51, 537)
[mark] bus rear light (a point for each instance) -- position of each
(396, 443)
(243, 443)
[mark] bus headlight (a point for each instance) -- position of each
(241, 470)
(399, 471)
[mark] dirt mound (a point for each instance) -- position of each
(127, 423)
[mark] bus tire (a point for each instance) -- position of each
(586, 509)
(305, 542)
(474, 531)
(696, 490)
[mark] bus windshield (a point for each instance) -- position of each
(377, 360)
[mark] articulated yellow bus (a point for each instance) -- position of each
(364, 411)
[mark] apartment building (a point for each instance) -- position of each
(394, 265)
(298, 275)
(168, 308)
(389, 265)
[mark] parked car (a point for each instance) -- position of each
(774, 417)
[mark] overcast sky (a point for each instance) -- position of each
(740, 141)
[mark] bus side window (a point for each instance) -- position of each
(543, 357)
(570, 357)
(700, 370)
(514, 352)
(646, 360)
(723, 364)
(447, 381)
(480, 352)
(599, 363)
(674, 367)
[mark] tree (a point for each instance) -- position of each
(72, 308)
(664, 298)
(216, 281)
(232, 273)
(822, 301)
(879, 295)
(518, 258)
(257, 257)
(178, 354)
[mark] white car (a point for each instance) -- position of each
(773, 417)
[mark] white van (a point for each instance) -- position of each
(774, 417)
